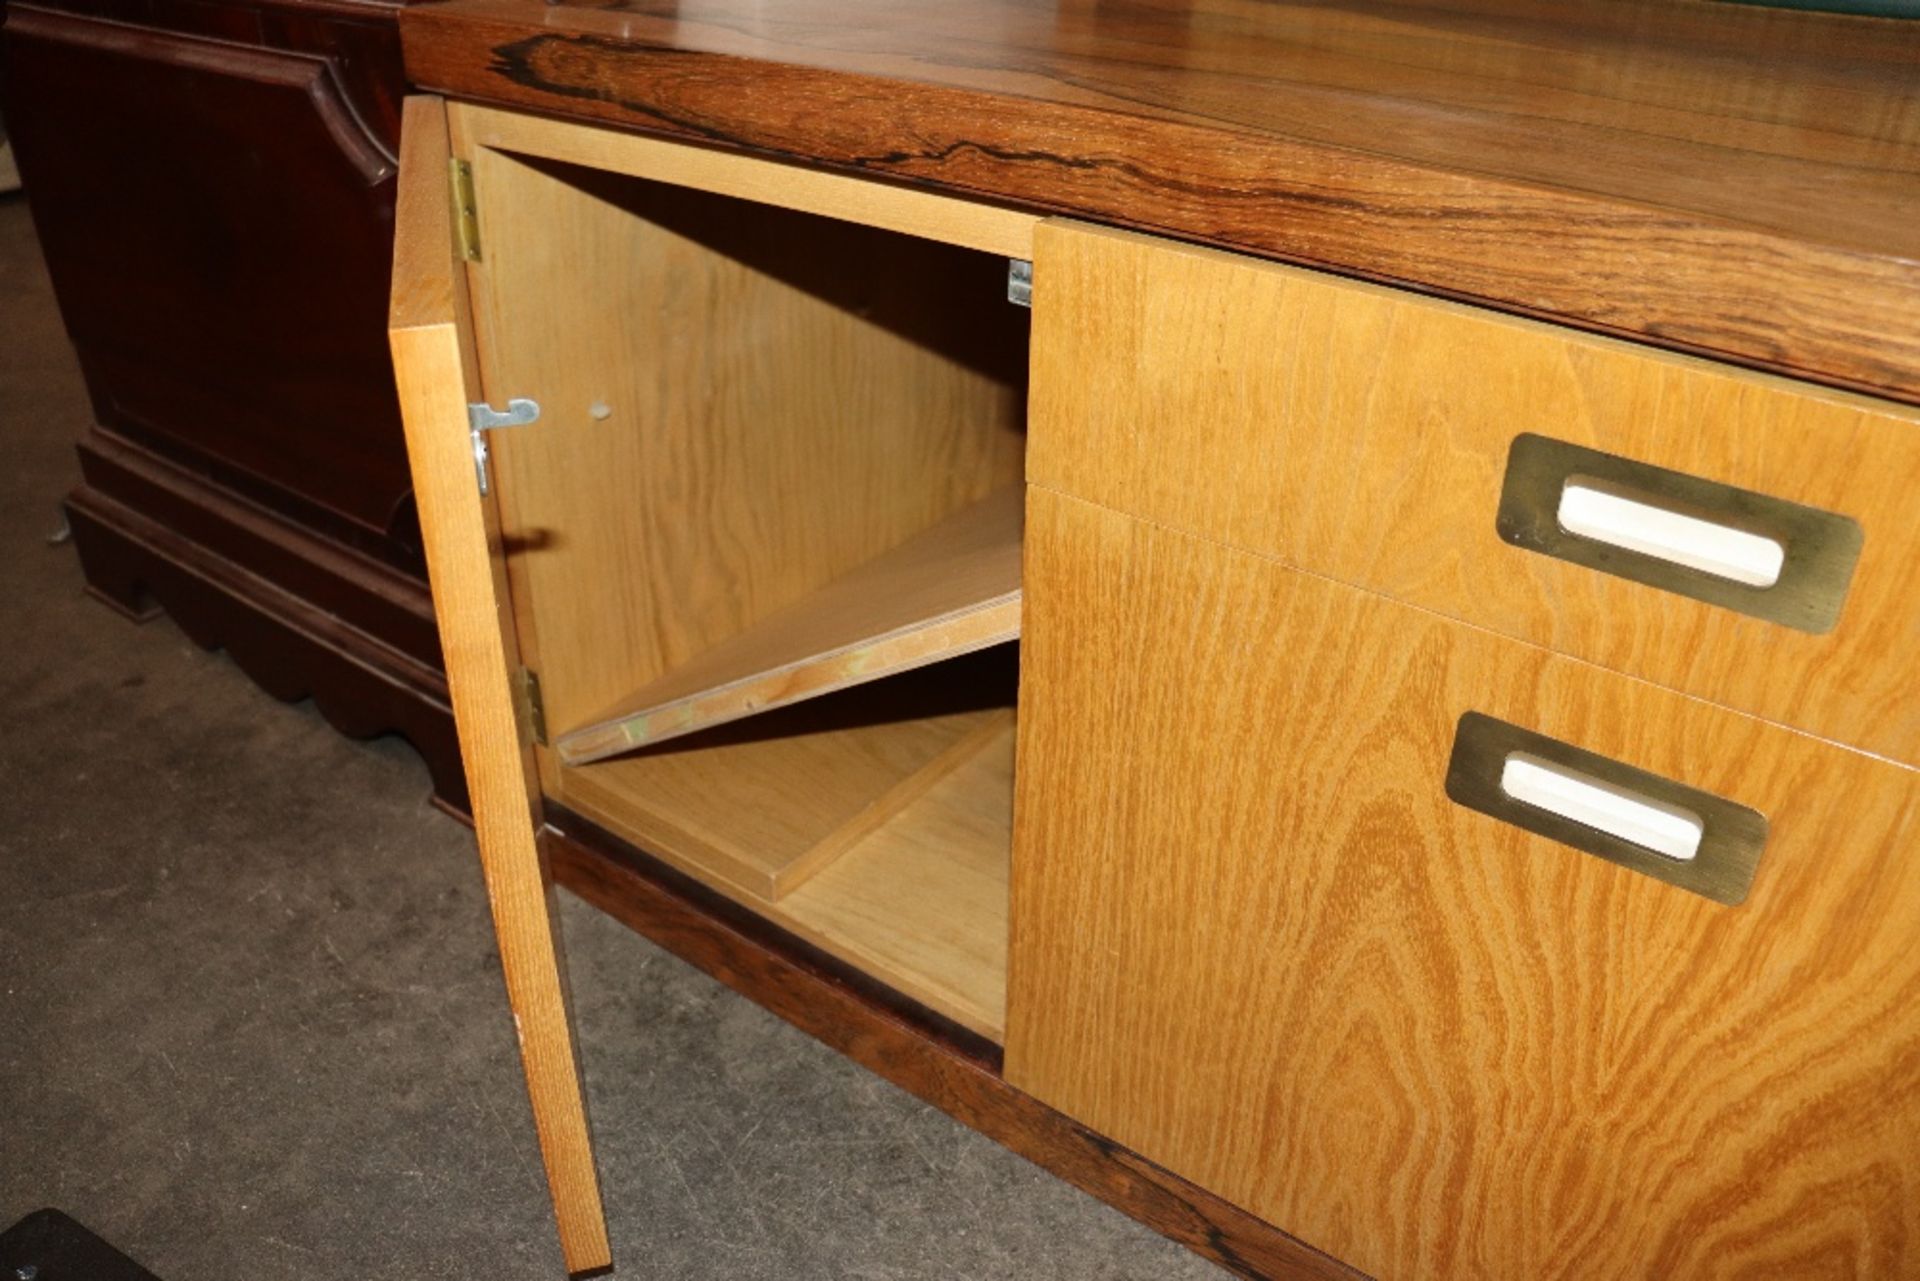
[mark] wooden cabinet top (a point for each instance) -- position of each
(1739, 181)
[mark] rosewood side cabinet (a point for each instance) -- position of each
(1035, 584)
(212, 182)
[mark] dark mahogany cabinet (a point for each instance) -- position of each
(213, 185)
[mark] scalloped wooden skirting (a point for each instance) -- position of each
(289, 647)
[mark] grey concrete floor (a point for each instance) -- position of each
(251, 1021)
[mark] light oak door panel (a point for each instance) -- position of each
(1364, 433)
(430, 332)
(1253, 940)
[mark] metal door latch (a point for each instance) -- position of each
(484, 418)
(1019, 282)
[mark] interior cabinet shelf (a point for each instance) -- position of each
(762, 804)
(948, 591)
(921, 903)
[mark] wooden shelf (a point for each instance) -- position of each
(951, 590)
(921, 904)
(883, 841)
(758, 816)
(756, 807)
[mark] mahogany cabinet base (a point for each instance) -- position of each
(954, 1070)
(294, 646)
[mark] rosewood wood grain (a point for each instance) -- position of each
(1518, 1060)
(1364, 433)
(1733, 181)
(950, 1068)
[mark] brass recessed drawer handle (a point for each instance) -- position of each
(1667, 830)
(1764, 556)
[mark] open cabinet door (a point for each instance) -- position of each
(429, 327)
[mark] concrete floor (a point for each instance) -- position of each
(251, 1022)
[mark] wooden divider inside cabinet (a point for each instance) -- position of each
(1254, 940)
(875, 824)
(1369, 434)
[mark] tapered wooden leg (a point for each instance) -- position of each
(431, 335)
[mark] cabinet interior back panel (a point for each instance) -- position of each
(739, 404)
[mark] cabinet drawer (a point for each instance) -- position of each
(1370, 435)
(1256, 941)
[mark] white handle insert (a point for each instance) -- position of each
(1662, 829)
(1595, 509)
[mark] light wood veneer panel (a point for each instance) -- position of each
(921, 904)
(1252, 939)
(429, 327)
(762, 806)
(884, 844)
(786, 397)
(950, 220)
(944, 593)
(1363, 433)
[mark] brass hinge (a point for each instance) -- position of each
(533, 708)
(466, 215)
